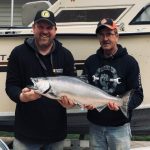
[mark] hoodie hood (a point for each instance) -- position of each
(31, 43)
(120, 52)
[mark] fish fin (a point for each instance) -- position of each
(125, 101)
(80, 105)
(100, 108)
(51, 94)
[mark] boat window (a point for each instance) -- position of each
(143, 17)
(52, 1)
(11, 12)
(93, 15)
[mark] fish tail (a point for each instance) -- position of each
(100, 108)
(125, 102)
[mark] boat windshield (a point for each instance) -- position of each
(88, 15)
(143, 17)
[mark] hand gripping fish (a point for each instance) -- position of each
(79, 91)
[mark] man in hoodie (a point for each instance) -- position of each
(39, 121)
(113, 70)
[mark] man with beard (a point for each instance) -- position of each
(39, 121)
(114, 71)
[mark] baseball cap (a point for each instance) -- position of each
(106, 23)
(45, 15)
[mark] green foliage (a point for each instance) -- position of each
(6, 134)
(141, 138)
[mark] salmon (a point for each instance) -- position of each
(79, 91)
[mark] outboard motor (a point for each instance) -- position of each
(3, 146)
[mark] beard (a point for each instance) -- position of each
(44, 43)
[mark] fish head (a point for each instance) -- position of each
(40, 85)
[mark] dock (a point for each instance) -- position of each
(76, 144)
(84, 145)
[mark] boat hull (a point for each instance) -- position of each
(81, 47)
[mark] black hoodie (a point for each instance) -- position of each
(43, 120)
(122, 67)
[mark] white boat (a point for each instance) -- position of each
(76, 23)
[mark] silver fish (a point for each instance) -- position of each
(79, 91)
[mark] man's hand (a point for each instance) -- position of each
(113, 106)
(89, 107)
(65, 102)
(28, 95)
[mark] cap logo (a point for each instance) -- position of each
(103, 21)
(45, 14)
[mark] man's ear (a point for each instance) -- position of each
(55, 28)
(117, 35)
(33, 26)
